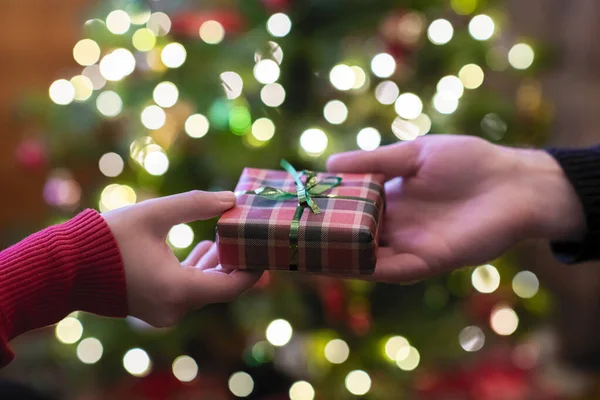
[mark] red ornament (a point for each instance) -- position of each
(188, 24)
(334, 299)
(31, 154)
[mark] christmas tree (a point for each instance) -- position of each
(182, 95)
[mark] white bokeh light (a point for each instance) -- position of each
(185, 368)
(181, 236)
(335, 112)
(368, 139)
(342, 77)
(336, 351)
(525, 284)
(153, 117)
(263, 129)
(89, 350)
(387, 92)
(440, 31)
(118, 22)
(111, 165)
(197, 126)
(69, 330)
(314, 141)
(445, 104)
(408, 358)
(358, 382)
(393, 345)
(279, 332)
(232, 83)
(450, 86)
(471, 338)
(383, 65)
(109, 103)
(241, 384)
(159, 24)
(471, 76)
(62, 92)
(137, 362)
(485, 279)
(405, 130)
(165, 94)
(86, 52)
(408, 106)
(156, 163)
(84, 88)
(212, 32)
(504, 320)
(481, 27)
(302, 390)
(273, 95)
(521, 56)
(173, 55)
(279, 25)
(266, 71)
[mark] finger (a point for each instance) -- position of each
(210, 260)
(217, 286)
(187, 207)
(395, 160)
(400, 268)
(197, 253)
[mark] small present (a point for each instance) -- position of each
(303, 221)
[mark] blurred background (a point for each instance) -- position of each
(104, 104)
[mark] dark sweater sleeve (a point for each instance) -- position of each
(582, 168)
(73, 266)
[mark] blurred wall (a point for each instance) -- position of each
(36, 40)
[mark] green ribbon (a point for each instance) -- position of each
(305, 193)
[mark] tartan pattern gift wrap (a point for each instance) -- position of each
(335, 230)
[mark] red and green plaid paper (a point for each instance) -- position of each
(255, 234)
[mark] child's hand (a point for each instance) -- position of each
(160, 289)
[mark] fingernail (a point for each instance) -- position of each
(226, 197)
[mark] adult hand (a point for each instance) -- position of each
(456, 201)
(160, 289)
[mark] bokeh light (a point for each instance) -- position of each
(89, 350)
(94, 75)
(118, 22)
(314, 141)
(342, 77)
(423, 122)
(273, 95)
(138, 12)
(471, 76)
(185, 368)
(504, 320)
(153, 117)
(69, 330)
(241, 384)
(232, 83)
(463, 7)
(173, 55)
(137, 362)
(83, 87)
(156, 163)
(440, 31)
(368, 139)
(358, 382)
(62, 92)
(450, 87)
(360, 78)
(336, 351)
(279, 25)
(408, 106)
(485, 279)
(408, 358)
(279, 332)
(383, 65)
(212, 32)
(302, 390)
(387, 92)
(109, 103)
(166, 94)
(525, 284)
(116, 196)
(111, 165)
(266, 71)
(471, 338)
(405, 130)
(143, 39)
(117, 65)
(181, 236)
(159, 24)
(86, 52)
(263, 129)
(393, 345)
(481, 27)
(196, 126)
(521, 56)
(445, 104)
(335, 112)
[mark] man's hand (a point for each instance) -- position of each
(455, 201)
(160, 290)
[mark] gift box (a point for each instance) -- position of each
(303, 221)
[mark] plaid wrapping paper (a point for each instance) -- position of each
(255, 234)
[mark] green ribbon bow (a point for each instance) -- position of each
(305, 193)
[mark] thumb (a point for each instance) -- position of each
(187, 207)
(394, 160)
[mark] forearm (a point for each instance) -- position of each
(72, 266)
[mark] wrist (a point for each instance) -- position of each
(554, 209)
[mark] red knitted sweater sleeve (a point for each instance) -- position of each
(73, 266)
